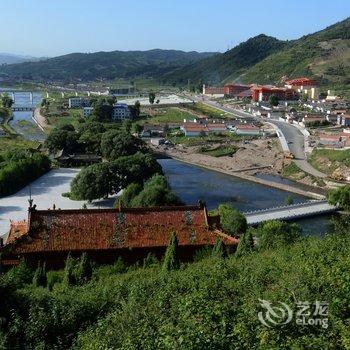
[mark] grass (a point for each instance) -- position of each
(171, 115)
(16, 142)
(207, 110)
(219, 151)
(293, 172)
(336, 157)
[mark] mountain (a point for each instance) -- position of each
(107, 65)
(8, 58)
(324, 55)
(218, 68)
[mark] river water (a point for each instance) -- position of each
(22, 121)
(192, 183)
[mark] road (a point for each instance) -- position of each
(292, 134)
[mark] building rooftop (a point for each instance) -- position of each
(106, 229)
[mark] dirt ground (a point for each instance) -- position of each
(262, 155)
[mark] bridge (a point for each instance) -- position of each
(290, 212)
(23, 108)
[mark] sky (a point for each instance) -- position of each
(56, 27)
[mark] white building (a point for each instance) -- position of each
(87, 111)
(121, 111)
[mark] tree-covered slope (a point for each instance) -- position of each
(210, 304)
(109, 65)
(218, 68)
(324, 55)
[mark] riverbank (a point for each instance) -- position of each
(39, 119)
(202, 161)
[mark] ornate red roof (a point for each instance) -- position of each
(99, 229)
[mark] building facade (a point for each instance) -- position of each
(78, 102)
(233, 90)
(121, 111)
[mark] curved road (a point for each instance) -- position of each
(292, 134)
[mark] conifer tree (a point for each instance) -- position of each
(84, 270)
(219, 249)
(171, 259)
(246, 244)
(40, 278)
(69, 277)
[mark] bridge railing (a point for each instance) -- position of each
(291, 206)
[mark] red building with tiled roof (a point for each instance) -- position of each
(105, 234)
(299, 82)
(235, 89)
(263, 93)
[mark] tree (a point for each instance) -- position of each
(219, 249)
(63, 137)
(171, 259)
(129, 193)
(137, 108)
(273, 100)
(100, 180)
(69, 277)
(151, 97)
(156, 192)
(83, 272)
(90, 135)
(40, 278)
(92, 182)
(7, 101)
(273, 233)
(246, 244)
(340, 196)
(231, 220)
(117, 143)
(102, 112)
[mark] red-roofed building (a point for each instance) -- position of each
(263, 93)
(300, 82)
(194, 129)
(234, 89)
(106, 234)
(246, 129)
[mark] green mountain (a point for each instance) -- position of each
(218, 68)
(107, 65)
(324, 55)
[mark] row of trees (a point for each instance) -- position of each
(93, 137)
(18, 168)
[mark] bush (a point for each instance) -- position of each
(231, 220)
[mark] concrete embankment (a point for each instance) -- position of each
(244, 176)
(39, 120)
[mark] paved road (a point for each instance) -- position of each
(290, 212)
(292, 134)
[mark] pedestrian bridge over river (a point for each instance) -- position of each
(290, 212)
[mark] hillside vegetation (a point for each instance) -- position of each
(107, 65)
(324, 55)
(232, 63)
(210, 304)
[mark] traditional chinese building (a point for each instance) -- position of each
(106, 234)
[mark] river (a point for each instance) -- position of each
(192, 183)
(22, 121)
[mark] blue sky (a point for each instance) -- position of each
(55, 27)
